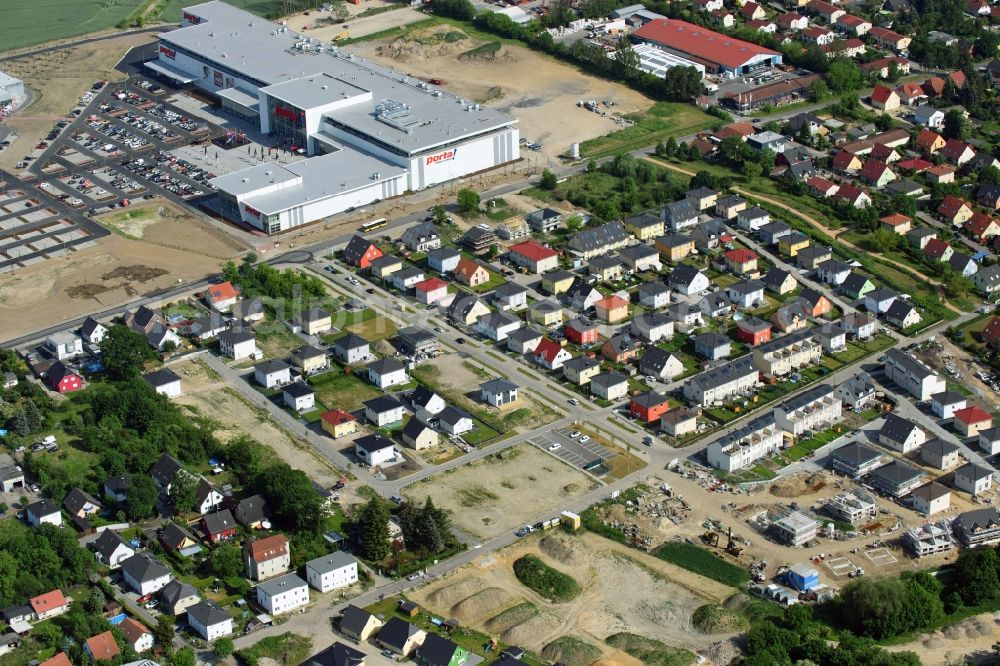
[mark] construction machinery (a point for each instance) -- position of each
(710, 538)
(342, 36)
(731, 546)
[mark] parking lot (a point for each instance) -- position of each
(571, 451)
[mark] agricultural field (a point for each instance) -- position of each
(29, 22)
(502, 491)
(628, 603)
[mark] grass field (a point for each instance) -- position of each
(339, 391)
(703, 562)
(28, 22)
(650, 651)
(663, 120)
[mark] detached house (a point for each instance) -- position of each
(660, 364)
(387, 372)
(361, 252)
(954, 210)
(145, 574)
(48, 605)
(267, 557)
(219, 526)
(209, 620)
(471, 273)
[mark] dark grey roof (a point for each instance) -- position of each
(308, 351)
(650, 399)
(896, 473)
(208, 613)
(219, 522)
(422, 396)
(772, 228)
(252, 509)
(89, 326)
(730, 200)
(498, 318)
(283, 583)
(652, 288)
(581, 362)
(77, 499)
(680, 211)
(173, 535)
(673, 240)
(143, 567)
(775, 277)
(350, 341)
(297, 390)
(723, 374)
(385, 260)
(17, 610)
(498, 385)
(853, 283)
(165, 469)
(911, 365)
(248, 307)
(270, 367)
(356, 248)
(979, 519)
(524, 333)
(598, 237)
(452, 415)
(443, 253)
(608, 379)
(386, 365)
(622, 342)
(436, 651)
(896, 428)
(176, 590)
(107, 543)
(747, 287)
(898, 311)
(354, 619)
(786, 341)
(508, 289)
(372, 443)
(336, 560)
(711, 340)
(757, 425)
(116, 484)
(974, 471)
(701, 192)
(653, 361)
(644, 220)
(683, 274)
(396, 632)
(236, 335)
(461, 305)
(938, 447)
(605, 261)
(382, 403)
(856, 454)
(337, 654)
(948, 397)
(753, 324)
(414, 428)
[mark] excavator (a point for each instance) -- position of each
(342, 36)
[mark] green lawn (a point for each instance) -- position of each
(662, 120)
(28, 22)
(342, 391)
(374, 328)
(703, 562)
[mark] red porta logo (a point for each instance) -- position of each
(251, 211)
(290, 114)
(191, 18)
(441, 157)
(169, 52)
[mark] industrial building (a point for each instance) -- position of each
(719, 53)
(379, 132)
(11, 93)
(654, 60)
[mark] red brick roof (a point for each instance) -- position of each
(927, 138)
(430, 284)
(873, 170)
(533, 250)
(850, 20)
(133, 629)
(222, 292)
(992, 331)
(881, 94)
(103, 646)
(268, 548)
(843, 160)
(821, 183)
(337, 416)
(978, 224)
(708, 45)
(466, 268)
(954, 148)
(972, 415)
(740, 255)
(935, 248)
(916, 164)
(611, 302)
(59, 660)
(951, 205)
(43, 603)
(885, 34)
(895, 219)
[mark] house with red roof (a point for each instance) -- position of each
(762, 25)
(550, 354)
(721, 54)
(534, 256)
(471, 272)
(914, 165)
(929, 142)
(940, 173)
(751, 11)
(137, 635)
(889, 39)
(821, 187)
(897, 223)
(793, 21)
(938, 250)
(101, 647)
(876, 173)
(957, 152)
(853, 25)
(958, 78)
(431, 290)
(337, 423)
(828, 11)
(910, 93)
(934, 86)
(846, 162)
(954, 210)
(722, 17)
(981, 227)
(818, 35)
(991, 334)
(611, 309)
(971, 420)
(649, 407)
(49, 604)
(222, 296)
(845, 48)
(885, 98)
(59, 660)
(977, 8)
(741, 260)
(853, 195)
(884, 153)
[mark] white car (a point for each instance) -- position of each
(584, 439)
(574, 434)
(555, 447)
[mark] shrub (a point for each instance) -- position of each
(543, 579)
(703, 562)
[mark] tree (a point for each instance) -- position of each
(163, 632)
(670, 148)
(460, 9)
(223, 647)
(141, 497)
(226, 561)
(682, 84)
(124, 352)
(440, 214)
(183, 490)
(184, 657)
(574, 223)
(468, 200)
(549, 180)
(28, 420)
(374, 530)
(291, 496)
(751, 170)
(844, 75)
(626, 63)
(244, 456)
(955, 125)
(976, 578)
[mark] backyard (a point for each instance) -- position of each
(662, 120)
(339, 390)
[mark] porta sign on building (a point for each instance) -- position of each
(446, 156)
(168, 52)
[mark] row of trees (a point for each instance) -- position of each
(426, 529)
(264, 280)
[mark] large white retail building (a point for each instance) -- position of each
(379, 132)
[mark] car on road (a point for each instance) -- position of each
(152, 604)
(397, 499)
(370, 290)
(584, 439)
(575, 434)
(555, 447)
(412, 577)
(574, 401)
(34, 488)
(389, 654)
(459, 341)
(438, 329)
(525, 531)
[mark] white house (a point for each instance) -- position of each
(332, 572)
(351, 349)
(137, 635)
(901, 434)
(425, 400)
(973, 478)
(272, 373)
(455, 421)
(209, 620)
(913, 376)
(43, 511)
(111, 550)
(497, 325)
(498, 392)
(752, 219)
(93, 331)
(64, 345)
(207, 497)
(237, 344)
(165, 382)
(145, 574)
(283, 594)
(384, 410)
(387, 372)
(299, 397)
(374, 450)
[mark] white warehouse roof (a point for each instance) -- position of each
(656, 61)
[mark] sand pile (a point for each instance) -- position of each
(511, 617)
(541, 624)
(480, 605)
(457, 591)
(561, 549)
(722, 653)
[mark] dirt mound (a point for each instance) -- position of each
(722, 653)
(571, 651)
(510, 618)
(481, 604)
(457, 591)
(798, 485)
(712, 619)
(492, 52)
(562, 549)
(441, 41)
(528, 632)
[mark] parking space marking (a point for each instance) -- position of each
(840, 566)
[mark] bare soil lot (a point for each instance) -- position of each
(209, 395)
(540, 91)
(623, 590)
(159, 222)
(502, 491)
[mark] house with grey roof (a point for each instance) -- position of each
(593, 241)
